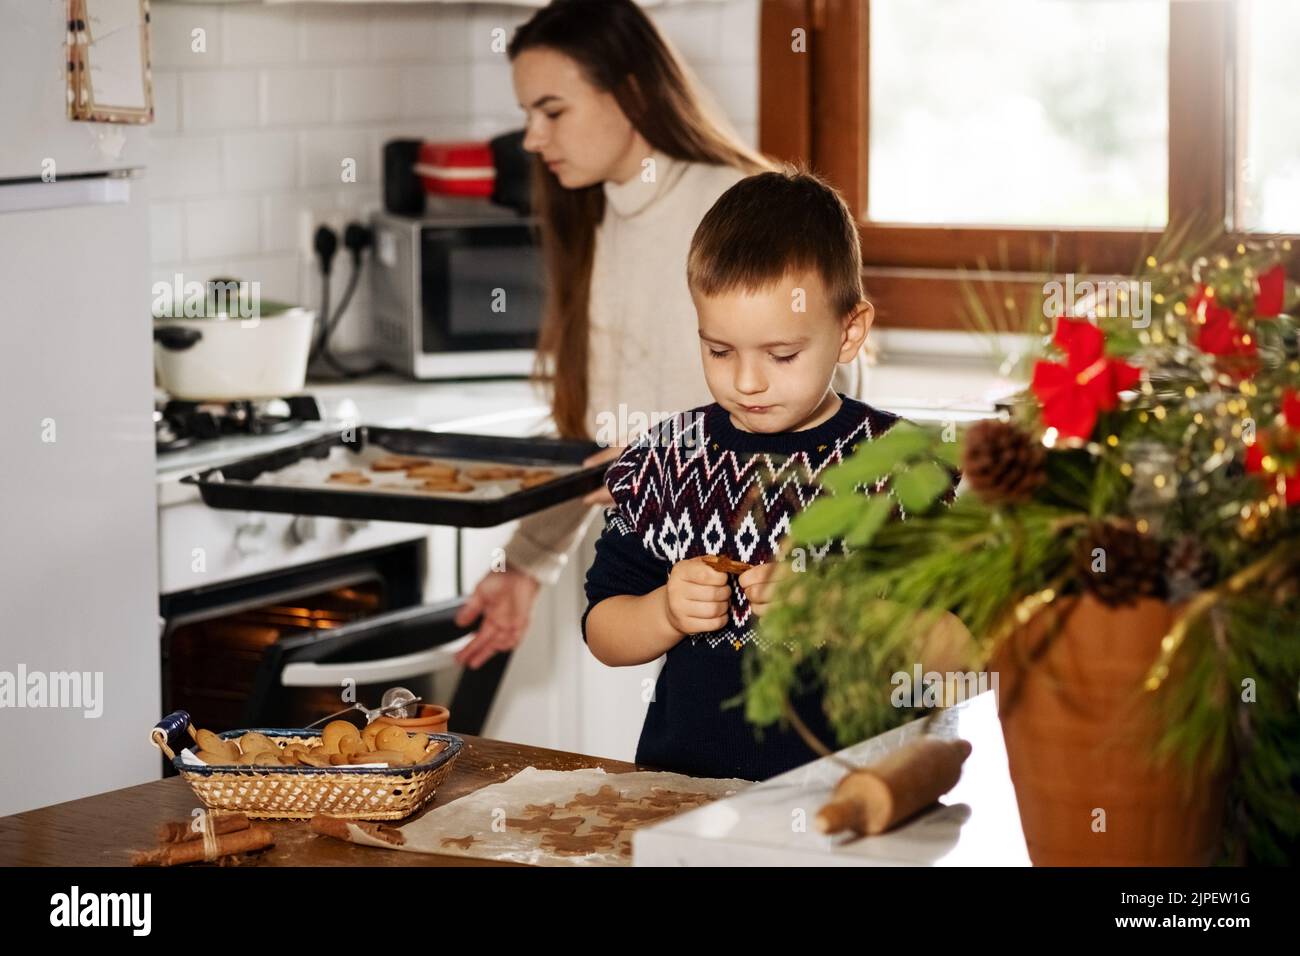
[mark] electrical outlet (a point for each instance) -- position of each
(309, 220)
(352, 330)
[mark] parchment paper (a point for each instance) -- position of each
(525, 819)
(315, 473)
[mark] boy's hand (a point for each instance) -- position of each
(759, 584)
(698, 598)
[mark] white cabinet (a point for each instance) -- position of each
(554, 693)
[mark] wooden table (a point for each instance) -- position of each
(104, 829)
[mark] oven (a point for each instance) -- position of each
(275, 619)
(267, 651)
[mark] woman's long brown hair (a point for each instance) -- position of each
(620, 52)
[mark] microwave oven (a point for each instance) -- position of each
(456, 292)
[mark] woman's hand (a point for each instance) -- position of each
(759, 584)
(601, 495)
(505, 600)
(698, 598)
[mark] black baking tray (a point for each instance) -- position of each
(229, 486)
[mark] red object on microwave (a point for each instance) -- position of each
(457, 169)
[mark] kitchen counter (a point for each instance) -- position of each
(933, 388)
(977, 823)
(104, 829)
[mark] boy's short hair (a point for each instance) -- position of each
(770, 225)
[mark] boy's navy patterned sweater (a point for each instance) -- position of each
(695, 485)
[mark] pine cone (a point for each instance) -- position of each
(1003, 464)
(1130, 565)
(1189, 567)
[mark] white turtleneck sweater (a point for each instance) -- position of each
(644, 350)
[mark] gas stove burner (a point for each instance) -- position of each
(166, 437)
(180, 424)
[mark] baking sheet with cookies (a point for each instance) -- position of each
(406, 475)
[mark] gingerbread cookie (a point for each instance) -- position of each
(535, 478)
(546, 824)
(440, 484)
(634, 814)
(720, 562)
(606, 796)
(494, 473)
(434, 470)
(349, 478)
(673, 799)
(396, 463)
(569, 845)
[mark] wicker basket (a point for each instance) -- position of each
(299, 793)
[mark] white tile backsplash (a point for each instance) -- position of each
(367, 93)
(691, 29)
(437, 91)
(185, 165)
(187, 37)
(260, 35)
(261, 161)
(258, 105)
(300, 97)
(413, 34)
(492, 89)
(335, 33)
(219, 100)
(489, 28)
(323, 153)
(222, 227)
(166, 101)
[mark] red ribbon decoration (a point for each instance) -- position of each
(1217, 331)
(1291, 408)
(1073, 394)
(1270, 293)
(1262, 446)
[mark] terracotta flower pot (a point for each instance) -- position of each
(1080, 731)
(431, 719)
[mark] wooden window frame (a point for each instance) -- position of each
(814, 107)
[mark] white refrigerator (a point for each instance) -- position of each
(79, 655)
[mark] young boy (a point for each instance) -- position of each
(775, 273)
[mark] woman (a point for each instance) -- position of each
(629, 159)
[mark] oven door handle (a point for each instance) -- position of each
(311, 674)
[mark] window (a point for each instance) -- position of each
(1003, 135)
(1269, 101)
(1018, 112)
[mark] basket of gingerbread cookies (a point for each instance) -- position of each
(379, 772)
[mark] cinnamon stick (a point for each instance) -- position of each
(175, 832)
(191, 851)
(338, 829)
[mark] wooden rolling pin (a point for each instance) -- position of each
(873, 799)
